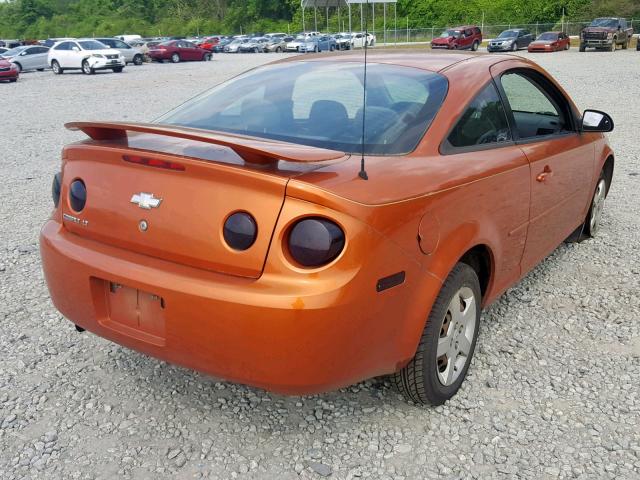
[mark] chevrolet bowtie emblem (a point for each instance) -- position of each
(146, 200)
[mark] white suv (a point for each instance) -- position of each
(84, 54)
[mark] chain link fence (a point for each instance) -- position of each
(416, 35)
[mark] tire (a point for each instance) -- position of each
(40, 69)
(582, 47)
(206, 57)
(474, 47)
(567, 46)
(19, 67)
(427, 380)
(514, 47)
(55, 66)
(117, 69)
(332, 48)
(86, 68)
(138, 60)
(625, 45)
(175, 58)
(594, 217)
(278, 50)
(614, 44)
(13, 80)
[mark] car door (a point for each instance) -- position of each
(40, 57)
(190, 50)
(561, 159)
(74, 56)
(467, 38)
(126, 50)
(62, 54)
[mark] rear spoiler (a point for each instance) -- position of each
(251, 149)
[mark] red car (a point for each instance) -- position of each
(209, 43)
(550, 42)
(178, 51)
(8, 71)
(460, 38)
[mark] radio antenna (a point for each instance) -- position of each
(363, 173)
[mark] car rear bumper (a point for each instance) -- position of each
(253, 331)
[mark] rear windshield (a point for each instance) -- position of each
(320, 104)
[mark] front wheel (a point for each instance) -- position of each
(137, 60)
(446, 347)
(278, 50)
(614, 44)
(175, 58)
(117, 69)
(514, 47)
(582, 47)
(18, 67)
(625, 45)
(594, 217)
(86, 68)
(206, 57)
(332, 48)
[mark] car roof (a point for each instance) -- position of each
(464, 27)
(433, 62)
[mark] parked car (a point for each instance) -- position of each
(2, 50)
(606, 34)
(343, 40)
(84, 54)
(254, 45)
(459, 38)
(234, 45)
(209, 43)
(129, 38)
(277, 44)
(221, 45)
(178, 51)
(550, 42)
(28, 57)
(510, 40)
(360, 39)
(130, 54)
(8, 71)
(298, 43)
(50, 42)
(277, 35)
(324, 43)
(232, 263)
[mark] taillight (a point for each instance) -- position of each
(56, 187)
(314, 242)
(153, 162)
(240, 231)
(77, 195)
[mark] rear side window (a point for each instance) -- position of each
(483, 123)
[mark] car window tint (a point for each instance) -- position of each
(534, 113)
(483, 122)
(120, 44)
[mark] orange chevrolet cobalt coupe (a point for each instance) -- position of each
(246, 235)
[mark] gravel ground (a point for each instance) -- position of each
(554, 390)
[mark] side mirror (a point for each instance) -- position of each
(596, 121)
(75, 49)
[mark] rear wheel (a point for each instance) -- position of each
(86, 68)
(13, 80)
(117, 69)
(137, 60)
(475, 46)
(448, 341)
(332, 48)
(40, 69)
(55, 66)
(175, 58)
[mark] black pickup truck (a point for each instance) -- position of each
(606, 34)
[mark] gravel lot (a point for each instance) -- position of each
(554, 390)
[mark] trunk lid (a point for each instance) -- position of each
(192, 197)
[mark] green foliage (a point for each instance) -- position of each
(55, 18)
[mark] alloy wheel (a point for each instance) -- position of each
(597, 206)
(456, 336)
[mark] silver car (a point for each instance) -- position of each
(28, 57)
(130, 54)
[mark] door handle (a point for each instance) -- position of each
(542, 177)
